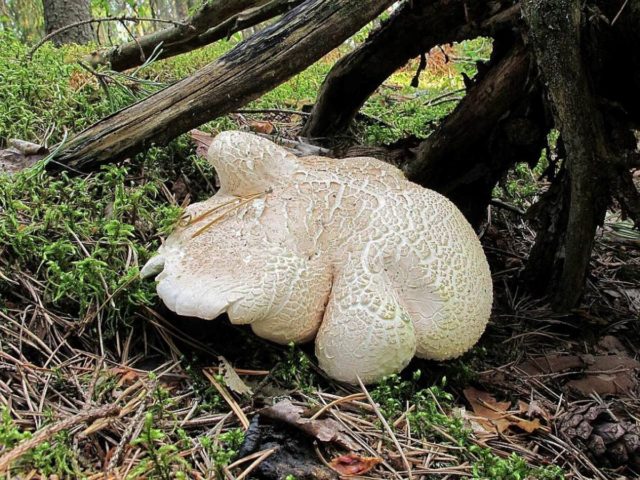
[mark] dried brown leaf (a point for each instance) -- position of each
(325, 430)
(494, 416)
(231, 378)
(353, 464)
(20, 155)
(260, 126)
(202, 140)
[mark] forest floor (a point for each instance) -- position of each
(96, 376)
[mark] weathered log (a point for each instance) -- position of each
(413, 29)
(554, 33)
(210, 23)
(498, 123)
(255, 66)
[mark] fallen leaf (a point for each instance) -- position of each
(535, 409)
(551, 364)
(603, 374)
(325, 430)
(202, 140)
(127, 375)
(20, 155)
(231, 378)
(353, 464)
(491, 413)
(611, 344)
(261, 127)
(494, 416)
(633, 294)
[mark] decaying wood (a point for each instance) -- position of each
(210, 23)
(121, 19)
(554, 33)
(414, 29)
(135, 52)
(496, 125)
(255, 66)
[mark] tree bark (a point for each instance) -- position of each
(413, 29)
(252, 68)
(554, 33)
(212, 22)
(499, 122)
(60, 13)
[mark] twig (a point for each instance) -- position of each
(120, 19)
(273, 110)
(338, 401)
(229, 399)
(126, 436)
(507, 206)
(143, 58)
(407, 465)
(256, 462)
(49, 431)
(615, 19)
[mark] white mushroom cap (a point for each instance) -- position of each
(383, 268)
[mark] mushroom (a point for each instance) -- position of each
(377, 269)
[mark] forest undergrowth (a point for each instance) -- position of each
(145, 394)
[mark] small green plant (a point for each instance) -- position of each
(489, 466)
(52, 457)
(163, 459)
(224, 449)
(209, 399)
(295, 369)
(428, 418)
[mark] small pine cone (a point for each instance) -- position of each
(609, 440)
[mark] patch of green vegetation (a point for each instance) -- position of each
(82, 237)
(46, 95)
(521, 186)
(469, 52)
(417, 110)
(431, 418)
(51, 457)
(224, 449)
(295, 370)
(41, 97)
(163, 459)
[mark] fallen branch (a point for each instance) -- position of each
(45, 433)
(212, 22)
(253, 67)
(120, 19)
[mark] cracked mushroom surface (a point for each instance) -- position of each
(377, 269)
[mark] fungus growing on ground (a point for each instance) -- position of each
(375, 268)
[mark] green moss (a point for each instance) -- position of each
(432, 419)
(52, 457)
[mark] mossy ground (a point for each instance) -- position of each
(80, 328)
